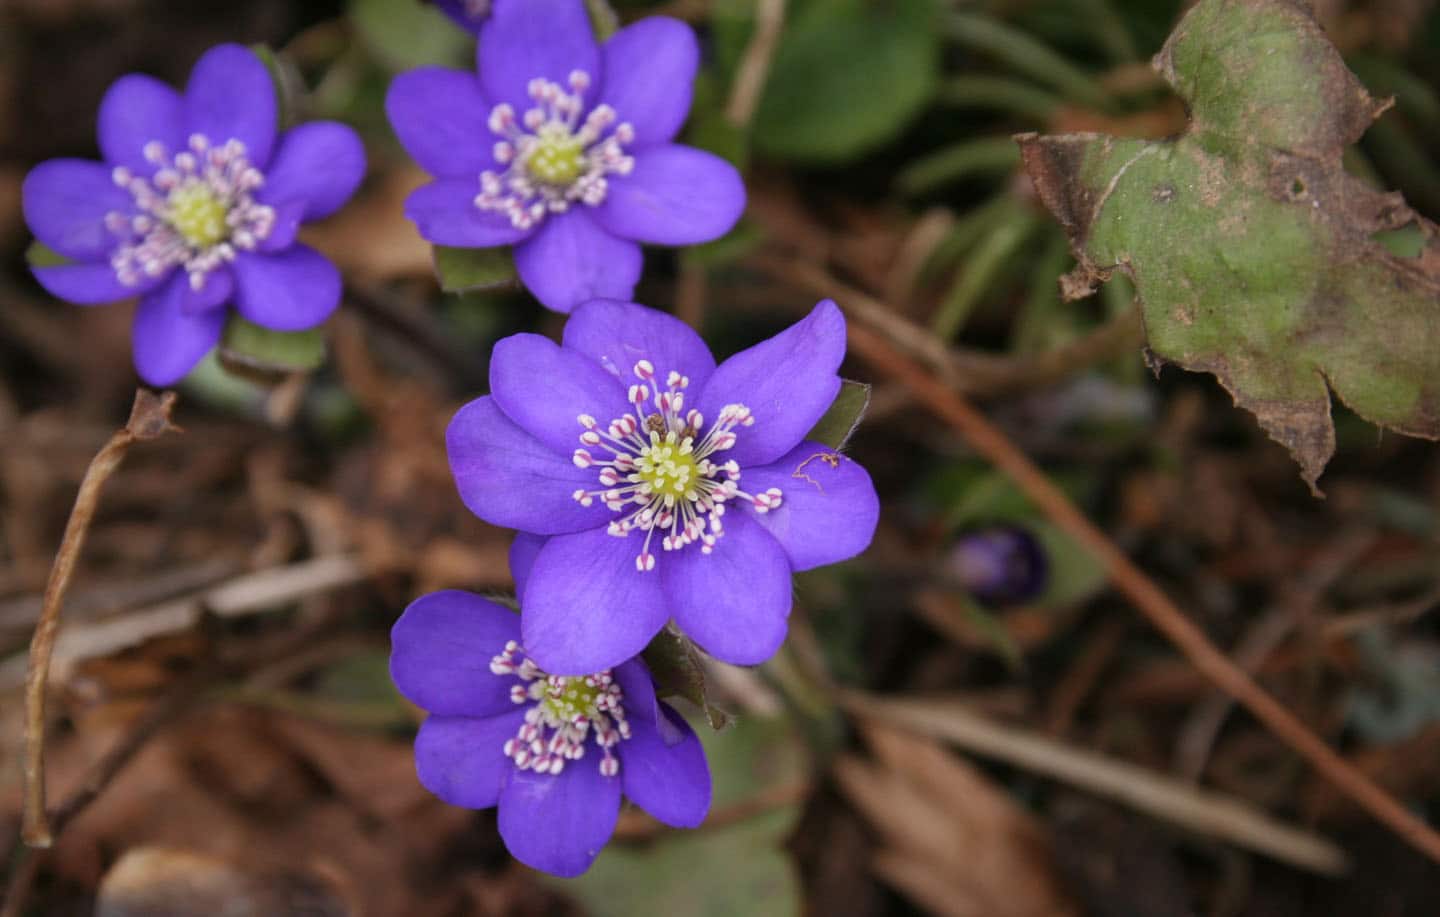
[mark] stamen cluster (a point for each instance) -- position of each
(196, 211)
(553, 158)
(565, 712)
(661, 463)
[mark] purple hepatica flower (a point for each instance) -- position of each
(468, 14)
(1001, 565)
(196, 205)
(653, 484)
(561, 148)
(554, 753)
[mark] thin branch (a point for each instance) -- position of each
(749, 82)
(1143, 593)
(149, 418)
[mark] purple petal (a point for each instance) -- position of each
(668, 779)
(440, 652)
(167, 341)
(829, 509)
(288, 214)
(230, 96)
(440, 116)
(571, 260)
(676, 195)
(530, 39)
(462, 759)
(544, 388)
(509, 478)
(320, 164)
(649, 73)
(286, 291)
(787, 382)
(137, 110)
(522, 557)
(734, 601)
(586, 607)
(639, 689)
(470, 15)
(65, 202)
(444, 212)
(558, 823)
(620, 334)
(88, 284)
(214, 291)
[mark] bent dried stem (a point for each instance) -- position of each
(1143, 593)
(149, 419)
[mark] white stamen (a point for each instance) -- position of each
(565, 713)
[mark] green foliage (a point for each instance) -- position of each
(254, 351)
(465, 270)
(847, 77)
(679, 671)
(41, 255)
(1250, 247)
(406, 33)
(838, 424)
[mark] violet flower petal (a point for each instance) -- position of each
(620, 334)
(638, 687)
(167, 343)
(522, 557)
(231, 96)
(535, 39)
(586, 607)
(440, 117)
(444, 213)
(676, 195)
(509, 478)
(441, 649)
(649, 76)
(89, 283)
(319, 164)
(137, 110)
(734, 601)
(571, 260)
(829, 508)
(287, 291)
(462, 759)
(670, 780)
(544, 388)
(65, 203)
(787, 382)
(558, 823)
(215, 291)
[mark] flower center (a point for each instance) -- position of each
(565, 711)
(195, 212)
(667, 474)
(553, 158)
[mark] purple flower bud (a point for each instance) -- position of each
(467, 14)
(1002, 565)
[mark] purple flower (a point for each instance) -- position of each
(1001, 565)
(652, 484)
(195, 206)
(468, 14)
(561, 148)
(554, 753)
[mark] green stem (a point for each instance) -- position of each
(1028, 56)
(976, 276)
(1000, 93)
(985, 156)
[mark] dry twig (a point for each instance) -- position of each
(755, 65)
(149, 418)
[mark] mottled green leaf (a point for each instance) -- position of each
(1250, 247)
(264, 355)
(679, 671)
(838, 423)
(847, 77)
(466, 270)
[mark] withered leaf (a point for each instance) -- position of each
(1250, 247)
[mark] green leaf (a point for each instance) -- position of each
(41, 255)
(603, 18)
(466, 270)
(838, 424)
(1250, 247)
(263, 355)
(406, 33)
(679, 671)
(847, 77)
(719, 871)
(289, 87)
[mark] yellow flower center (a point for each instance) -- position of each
(198, 214)
(558, 159)
(575, 698)
(668, 466)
